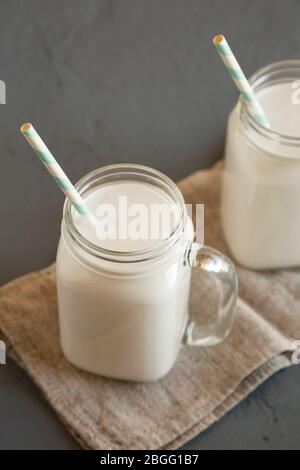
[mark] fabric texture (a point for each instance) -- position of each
(205, 382)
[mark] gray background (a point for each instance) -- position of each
(117, 81)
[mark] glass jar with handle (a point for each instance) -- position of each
(124, 313)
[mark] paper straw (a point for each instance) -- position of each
(56, 171)
(240, 80)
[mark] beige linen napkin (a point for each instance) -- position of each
(204, 384)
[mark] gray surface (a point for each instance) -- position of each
(114, 81)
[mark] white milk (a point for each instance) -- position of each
(123, 301)
(122, 196)
(122, 320)
(261, 185)
(283, 113)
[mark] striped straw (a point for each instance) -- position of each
(240, 80)
(56, 171)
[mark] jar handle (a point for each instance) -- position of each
(212, 261)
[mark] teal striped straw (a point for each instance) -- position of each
(240, 80)
(56, 171)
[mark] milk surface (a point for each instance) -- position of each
(283, 114)
(122, 320)
(121, 196)
(261, 186)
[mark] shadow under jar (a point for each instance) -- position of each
(124, 314)
(260, 206)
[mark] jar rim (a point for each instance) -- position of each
(263, 76)
(135, 172)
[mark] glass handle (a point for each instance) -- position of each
(212, 261)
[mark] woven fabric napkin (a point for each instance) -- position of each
(204, 384)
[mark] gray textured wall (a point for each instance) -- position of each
(114, 81)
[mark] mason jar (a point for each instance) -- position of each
(125, 314)
(260, 203)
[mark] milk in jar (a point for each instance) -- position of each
(123, 300)
(260, 206)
